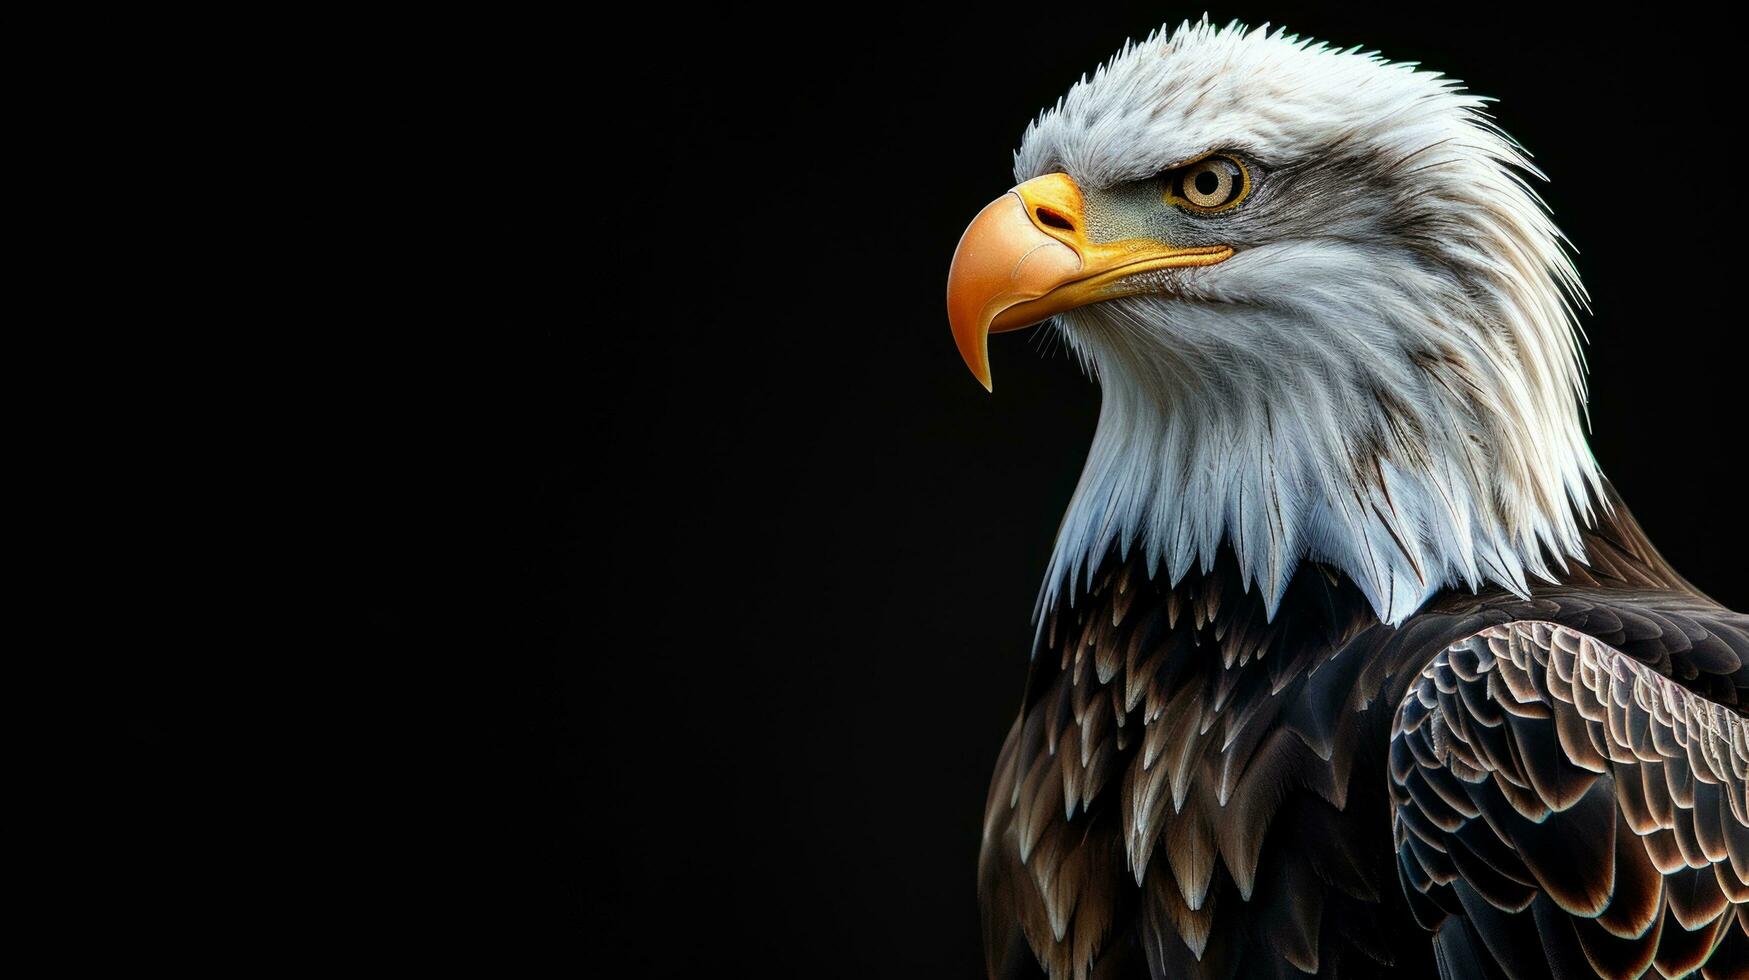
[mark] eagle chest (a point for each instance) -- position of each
(1188, 762)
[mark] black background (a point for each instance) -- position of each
(767, 553)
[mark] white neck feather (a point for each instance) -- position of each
(1381, 428)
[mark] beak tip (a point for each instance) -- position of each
(974, 348)
(981, 369)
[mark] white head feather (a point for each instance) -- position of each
(1386, 377)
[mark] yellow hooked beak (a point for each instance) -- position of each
(1026, 257)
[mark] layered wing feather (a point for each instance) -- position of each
(1561, 808)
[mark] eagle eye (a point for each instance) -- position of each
(1214, 183)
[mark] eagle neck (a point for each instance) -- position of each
(1188, 460)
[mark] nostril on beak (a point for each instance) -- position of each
(1053, 219)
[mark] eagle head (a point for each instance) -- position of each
(1329, 318)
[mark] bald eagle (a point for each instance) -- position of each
(1349, 661)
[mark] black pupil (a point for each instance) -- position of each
(1206, 182)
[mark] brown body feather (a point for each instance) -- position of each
(1193, 789)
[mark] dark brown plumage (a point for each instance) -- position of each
(1500, 787)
